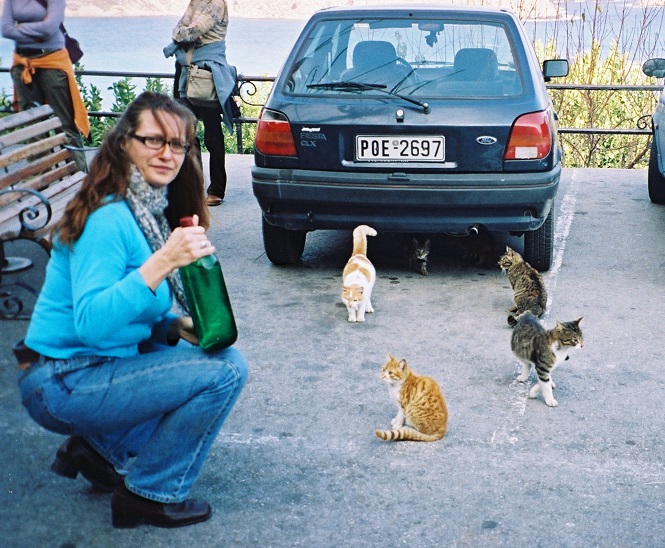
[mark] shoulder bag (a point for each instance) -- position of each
(71, 44)
(200, 87)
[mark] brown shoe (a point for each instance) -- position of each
(213, 200)
(76, 455)
(130, 510)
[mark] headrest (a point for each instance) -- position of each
(476, 64)
(373, 53)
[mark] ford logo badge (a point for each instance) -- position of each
(486, 140)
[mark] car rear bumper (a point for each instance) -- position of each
(399, 202)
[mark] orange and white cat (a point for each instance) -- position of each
(359, 276)
(422, 414)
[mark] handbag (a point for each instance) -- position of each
(71, 44)
(200, 87)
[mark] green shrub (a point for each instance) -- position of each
(606, 109)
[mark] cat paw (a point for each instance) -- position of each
(352, 320)
(360, 319)
(369, 310)
(522, 378)
(552, 402)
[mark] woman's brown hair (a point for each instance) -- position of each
(110, 170)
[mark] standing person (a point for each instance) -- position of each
(203, 27)
(102, 361)
(41, 70)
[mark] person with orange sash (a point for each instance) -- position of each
(41, 70)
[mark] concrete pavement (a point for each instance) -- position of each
(297, 463)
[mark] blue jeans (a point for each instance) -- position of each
(163, 408)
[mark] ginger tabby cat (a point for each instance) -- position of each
(422, 412)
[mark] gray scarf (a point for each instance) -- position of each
(148, 204)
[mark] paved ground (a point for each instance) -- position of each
(297, 463)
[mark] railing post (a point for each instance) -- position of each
(238, 124)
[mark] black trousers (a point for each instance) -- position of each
(213, 137)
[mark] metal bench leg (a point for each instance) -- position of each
(9, 265)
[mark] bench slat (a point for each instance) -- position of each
(29, 132)
(8, 123)
(25, 152)
(58, 194)
(35, 175)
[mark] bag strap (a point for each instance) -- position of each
(190, 51)
(62, 27)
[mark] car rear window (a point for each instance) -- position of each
(426, 58)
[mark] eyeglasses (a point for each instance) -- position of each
(158, 143)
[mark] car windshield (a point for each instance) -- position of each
(422, 59)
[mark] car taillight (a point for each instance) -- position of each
(273, 135)
(530, 138)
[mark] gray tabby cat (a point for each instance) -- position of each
(529, 292)
(418, 254)
(544, 349)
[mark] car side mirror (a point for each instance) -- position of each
(654, 67)
(555, 68)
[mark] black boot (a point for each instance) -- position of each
(130, 510)
(76, 455)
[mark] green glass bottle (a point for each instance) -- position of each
(208, 301)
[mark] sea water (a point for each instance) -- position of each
(257, 47)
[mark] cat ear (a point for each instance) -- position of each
(578, 321)
(426, 246)
(402, 364)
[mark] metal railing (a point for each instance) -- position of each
(248, 87)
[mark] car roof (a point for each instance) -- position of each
(395, 9)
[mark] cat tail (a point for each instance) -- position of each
(360, 234)
(406, 433)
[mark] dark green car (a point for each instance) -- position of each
(412, 120)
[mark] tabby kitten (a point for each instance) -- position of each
(544, 349)
(418, 253)
(529, 292)
(422, 413)
(359, 276)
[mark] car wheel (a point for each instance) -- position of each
(655, 178)
(283, 246)
(539, 244)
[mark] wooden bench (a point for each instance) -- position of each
(38, 177)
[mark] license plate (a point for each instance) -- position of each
(378, 148)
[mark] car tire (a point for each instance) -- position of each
(283, 246)
(655, 178)
(539, 244)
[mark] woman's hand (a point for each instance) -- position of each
(187, 244)
(184, 246)
(182, 328)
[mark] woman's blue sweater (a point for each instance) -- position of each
(94, 300)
